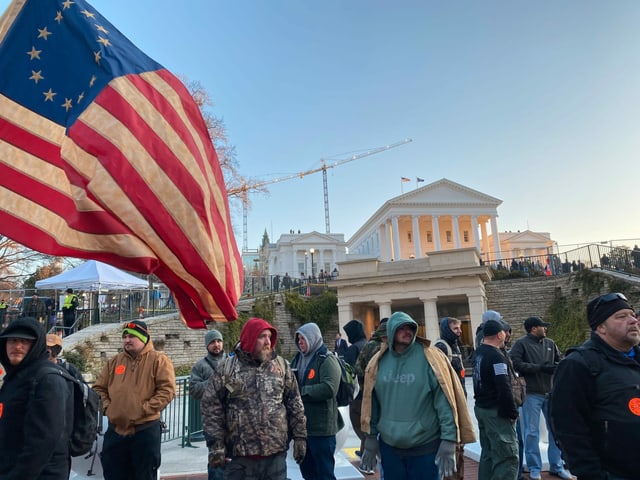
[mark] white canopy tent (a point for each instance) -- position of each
(93, 276)
(95, 279)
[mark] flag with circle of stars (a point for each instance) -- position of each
(105, 155)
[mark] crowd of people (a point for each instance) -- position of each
(411, 413)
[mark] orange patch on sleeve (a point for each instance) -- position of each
(1, 409)
(462, 374)
(120, 369)
(312, 374)
(634, 406)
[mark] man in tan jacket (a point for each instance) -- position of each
(416, 438)
(135, 386)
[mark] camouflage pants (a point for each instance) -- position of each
(270, 468)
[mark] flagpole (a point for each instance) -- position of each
(401, 186)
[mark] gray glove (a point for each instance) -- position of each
(369, 459)
(216, 457)
(446, 458)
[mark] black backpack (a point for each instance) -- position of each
(87, 411)
(349, 388)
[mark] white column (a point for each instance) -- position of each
(384, 309)
(396, 237)
(431, 320)
(294, 264)
(474, 229)
(385, 248)
(436, 231)
(496, 238)
(321, 261)
(417, 248)
(345, 314)
(456, 231)
(477, 306)
(485, 241)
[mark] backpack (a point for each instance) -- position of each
(87, 408)
(447, 348)
(348, 388)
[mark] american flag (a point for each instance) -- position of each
(105, 155)
(405, 179)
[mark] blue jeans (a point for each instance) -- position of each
(400, 467)
(319, 462)
(533, 405)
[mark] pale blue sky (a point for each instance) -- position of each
(535, 103)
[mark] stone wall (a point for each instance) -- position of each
(184, 346)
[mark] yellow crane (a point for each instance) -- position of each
(243, 190)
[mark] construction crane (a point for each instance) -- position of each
(242, 191)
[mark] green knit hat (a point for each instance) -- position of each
(137, 328)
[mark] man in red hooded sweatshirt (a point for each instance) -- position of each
(251, 409)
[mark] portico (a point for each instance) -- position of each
(443, 215)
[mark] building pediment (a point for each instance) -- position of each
(311, 238)
(445, 192)
(525, 237)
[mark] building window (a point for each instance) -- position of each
(448, 233)
(409, 237)
(429, 237)
(465, 235)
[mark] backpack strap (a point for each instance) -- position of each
(447, 348)
(591, 358)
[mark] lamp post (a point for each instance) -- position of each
(305, 263)
(312, 251)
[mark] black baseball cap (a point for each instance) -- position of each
(531, 322)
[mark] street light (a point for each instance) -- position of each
(305, 263)
(311, 251)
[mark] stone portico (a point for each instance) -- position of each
(446, 283)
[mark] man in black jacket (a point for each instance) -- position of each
(535, 357)
(36, 417)
(495, 407)
(595, 402)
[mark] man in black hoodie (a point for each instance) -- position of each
(355, 332)
(36, 417)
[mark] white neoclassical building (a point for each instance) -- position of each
(294, 254)
(424, 252)
(443, 215)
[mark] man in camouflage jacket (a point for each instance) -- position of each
(251, 409)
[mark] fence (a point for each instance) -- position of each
(95, 307)
(182, 416)
(606, 257)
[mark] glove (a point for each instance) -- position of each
(549, 368)
(369, 459)
(446, 458)
(217, 457)
(299, 449)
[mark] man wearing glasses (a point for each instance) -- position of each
(135, 386)
(595, 403)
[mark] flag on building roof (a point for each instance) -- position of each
(104, 155)
(418, 179)
(405, 179)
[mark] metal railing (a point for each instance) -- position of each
(606, 257)
(181, 418)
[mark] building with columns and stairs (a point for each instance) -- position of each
(428, 252)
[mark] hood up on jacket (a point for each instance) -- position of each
(446, 333)
(312, 335)
(38, 350)
(355, 331)
(396, 321)
(252, 330)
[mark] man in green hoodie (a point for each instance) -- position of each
(417, 438)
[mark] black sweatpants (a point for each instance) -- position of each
(133, 457)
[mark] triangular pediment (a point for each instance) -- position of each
(311, 238)
(526, 236)
(445, 192)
